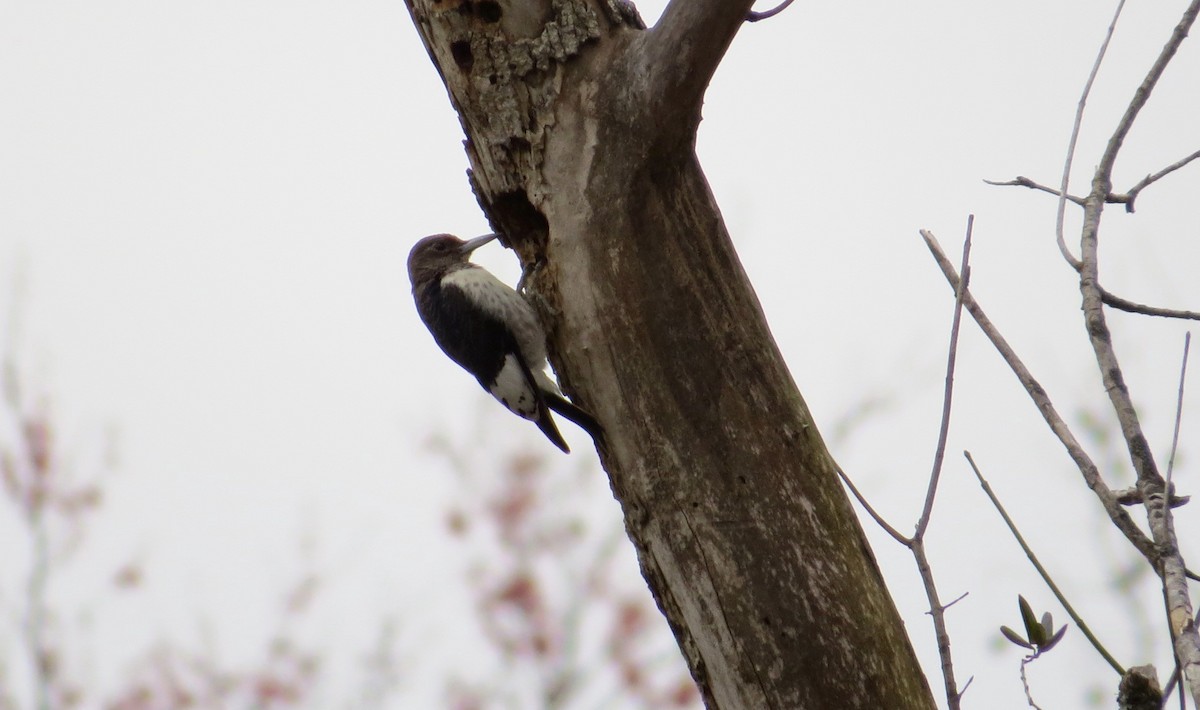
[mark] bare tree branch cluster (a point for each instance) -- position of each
(1160, 548)
(1127, 198)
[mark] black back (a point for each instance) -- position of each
(472, 337)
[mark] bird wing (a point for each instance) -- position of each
(483, 345)
(490, 294)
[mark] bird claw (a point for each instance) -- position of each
(528, 272)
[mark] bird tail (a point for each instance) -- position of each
(545, 422)
(581, 418)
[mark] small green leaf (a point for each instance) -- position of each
(1015, 637)
(1033, 629)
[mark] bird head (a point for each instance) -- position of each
(435, 255)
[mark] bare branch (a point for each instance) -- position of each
(948, 394)
(1022, 181)
(954, 601)
(1169, 563)
(1062, 599)
(1171, 683)
(896, 535)
(937, 610)
(1187, 344)
(965, 686)
(938, 613)
(1087, 467)
(1025, 681)
(1133, 496)
(1066, 178)
(1128, 306)
(1142, 94)
(1112, 198)
(756, 16)
(1129, 197)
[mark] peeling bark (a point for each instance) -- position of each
(581, 129)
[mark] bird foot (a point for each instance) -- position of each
(528, 273)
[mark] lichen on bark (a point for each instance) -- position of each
(509, 81)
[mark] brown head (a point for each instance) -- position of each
(435, 256)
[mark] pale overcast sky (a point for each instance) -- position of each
(209, 206)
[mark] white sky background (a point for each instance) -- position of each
(210, 205)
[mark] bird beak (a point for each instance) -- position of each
(473, 244)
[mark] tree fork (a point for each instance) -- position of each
(580, 134)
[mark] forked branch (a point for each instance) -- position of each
(1087, 467)
(1126, 198)
(916, 543)
(1167, 559)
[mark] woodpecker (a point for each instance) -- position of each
(490, 330)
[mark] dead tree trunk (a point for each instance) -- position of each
(580, 132)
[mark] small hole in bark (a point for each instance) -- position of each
(695, 505)
(494, 78)
(464, 8)
(461, 51)
(489, 10)
(742, 480)
(767, 620)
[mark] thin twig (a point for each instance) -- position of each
(1113, 198)
(937, 610)
(1025, 681)
(954, 601)
(756, 16)
(1087, 467)
(1066, 178)
(1187, 344)
(1131, 307)
(1171, 683)
(1169, 562)
(1022, 181)
(965, 686)
(948, 393)
(871, 511)
(1129, 197)
(1062, 599)
(938, 613)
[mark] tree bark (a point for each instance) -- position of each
(580, 133)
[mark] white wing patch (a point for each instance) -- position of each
(514, 390)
